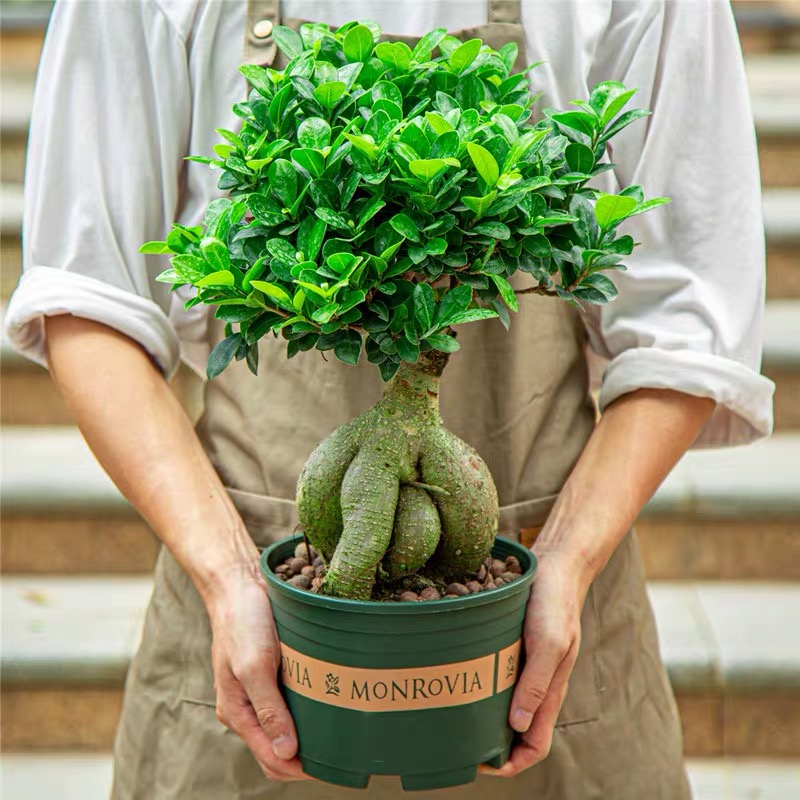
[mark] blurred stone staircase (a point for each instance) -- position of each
(721, 539)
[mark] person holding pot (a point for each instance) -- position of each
(126, 90)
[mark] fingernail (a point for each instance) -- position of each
(521, 720)
(283, 747)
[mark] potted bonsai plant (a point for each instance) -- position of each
(377, 198)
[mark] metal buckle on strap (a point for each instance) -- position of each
(259, 45)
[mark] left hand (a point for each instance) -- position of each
(551, 639)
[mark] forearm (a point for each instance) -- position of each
(142, 437)
(638, 440)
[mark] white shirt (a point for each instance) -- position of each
(126, 89)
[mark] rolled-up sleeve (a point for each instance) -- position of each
(109, 127)
(690, 309)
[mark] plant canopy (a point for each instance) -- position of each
(378, 195)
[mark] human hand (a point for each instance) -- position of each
(551, 639)
(245, 657)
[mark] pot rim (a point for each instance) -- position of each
(384, 607)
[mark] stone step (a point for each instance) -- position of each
(65, 776)
(732, 663)
(768, 26)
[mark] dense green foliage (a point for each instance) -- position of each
(378, 195)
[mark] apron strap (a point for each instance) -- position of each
(505, 11)
(259, 45)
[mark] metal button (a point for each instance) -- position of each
(262, 29)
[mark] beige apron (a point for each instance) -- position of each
(521, 399)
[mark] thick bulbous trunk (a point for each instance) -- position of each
(394, 490)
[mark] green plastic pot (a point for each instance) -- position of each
(420, 690)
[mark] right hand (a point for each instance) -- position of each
(245, 657)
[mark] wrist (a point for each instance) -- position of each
(224, 565)
(569, 560)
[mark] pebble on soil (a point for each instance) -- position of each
(305, 569)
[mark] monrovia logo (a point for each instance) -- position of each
(459, 683)
(400, 689)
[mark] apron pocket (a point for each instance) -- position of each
(266, 518)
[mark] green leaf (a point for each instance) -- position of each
(439, 124)
(279, 104)
(216, 253)
(506, 291)
(386, 90)
(596, 289)
(169, 276)
(611, 209)
(427, 168)
(348, 347)
(623, 245)
(312, 161)
(473, 314)
(484, 162)
(333, 218)
(464, 55)
(283, 180)
(314, 133)
(443, 342)
(408, 351)
(328, 93)
(623, 122)
(435, 246)
(580, 158)
(190, 268)
(577, 120)
(497, 230)
(427, 44)
(288, 41)
(616, 105)
(258, 78)
(365, 144)
(155, 248)
(454, 301)
(282, 250)
(275, 292)
(342, 263)
(221, 278)
(323, 314)
(480, 205)
(358, 43)
(388, 368)
(405, 227)
(239, 313)
(369, 210)
(648, 204)
(395, 55)
(508, 54)
(222, 354)
(424, 306)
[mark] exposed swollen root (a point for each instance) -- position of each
(469, 511)
(416, 534)
(395, 489)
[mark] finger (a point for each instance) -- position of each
(258, 677)
(534, 745)
(235, 711)
(543, 658)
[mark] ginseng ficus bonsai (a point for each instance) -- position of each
(378, 197)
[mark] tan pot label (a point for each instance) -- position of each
(405, 689)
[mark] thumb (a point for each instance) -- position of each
(260, 682)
